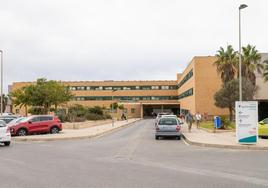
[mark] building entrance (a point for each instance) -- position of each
(150, 110)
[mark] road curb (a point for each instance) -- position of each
(240, 147)
(18, 139)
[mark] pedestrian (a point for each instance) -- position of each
(189, 120)
(198, 118)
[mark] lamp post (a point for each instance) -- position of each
(242, 6)
(1, 51)
(113, 106)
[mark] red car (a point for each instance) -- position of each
(36, 124)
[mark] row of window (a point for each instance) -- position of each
(75, 88)
(186, 78)
(187, 93)
(125, 98)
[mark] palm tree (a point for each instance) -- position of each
(251, 62)
(265, 71)
(226, 63)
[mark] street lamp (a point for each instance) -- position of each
(242, 6)
(1, 51)
(113, 106)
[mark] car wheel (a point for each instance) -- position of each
(54, 130)
(22, 132)
(156, 137)
(7, 143)
(178, 137)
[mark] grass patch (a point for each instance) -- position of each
(210, 125)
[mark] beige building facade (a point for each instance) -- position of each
(193, 91)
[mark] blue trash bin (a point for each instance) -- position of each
(217, 122)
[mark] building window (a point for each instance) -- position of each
(108, 88)
(154, 98)
(165, 87)
(186, 78)
(72, 88)
(137, 87)
(117, 88)
(80, 98)
(99, 88)
(155, 87)
(126, 88)
(87, 88)
(146, 87)
(80, 88)
(187, 93)
(133, 110)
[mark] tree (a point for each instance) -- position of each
(265, 71)
(121, 107)
(226, 63)
(229, 93)
(21, 98)
(114, 106)
(251, 62)
(43, 94)
(5, 100)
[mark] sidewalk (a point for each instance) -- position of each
(68, 134)
(200, 137)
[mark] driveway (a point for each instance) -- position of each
(127, 158)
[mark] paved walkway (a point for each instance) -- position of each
(219, 139)
(67, 134)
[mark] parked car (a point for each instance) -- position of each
(168, 127)
(15, 121)
(36, 124)
(159, 115)
(5, 136)
(8, 118)
(263, 128)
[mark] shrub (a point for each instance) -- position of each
(92, 116)
(36, 111)
(225, 122)
(78, 110)
(96, 110)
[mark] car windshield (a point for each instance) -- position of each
(16, 120)
(25, 119)
(2, 123)
(168, 121)
(265, 121)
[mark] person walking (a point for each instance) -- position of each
(198, 118)
(189, 120)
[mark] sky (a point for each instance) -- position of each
(73, 40)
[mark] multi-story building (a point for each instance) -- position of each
(193, 91)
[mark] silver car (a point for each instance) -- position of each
(168, 127)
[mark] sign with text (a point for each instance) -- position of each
(246, 115)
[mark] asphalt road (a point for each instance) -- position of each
(129, 158)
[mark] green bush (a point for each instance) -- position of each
(92, 116)
(36, 111)
(225, 122)
(96, 110)
(79, 113)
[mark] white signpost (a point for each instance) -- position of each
(246, 115)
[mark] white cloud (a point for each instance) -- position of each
(120, 39)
